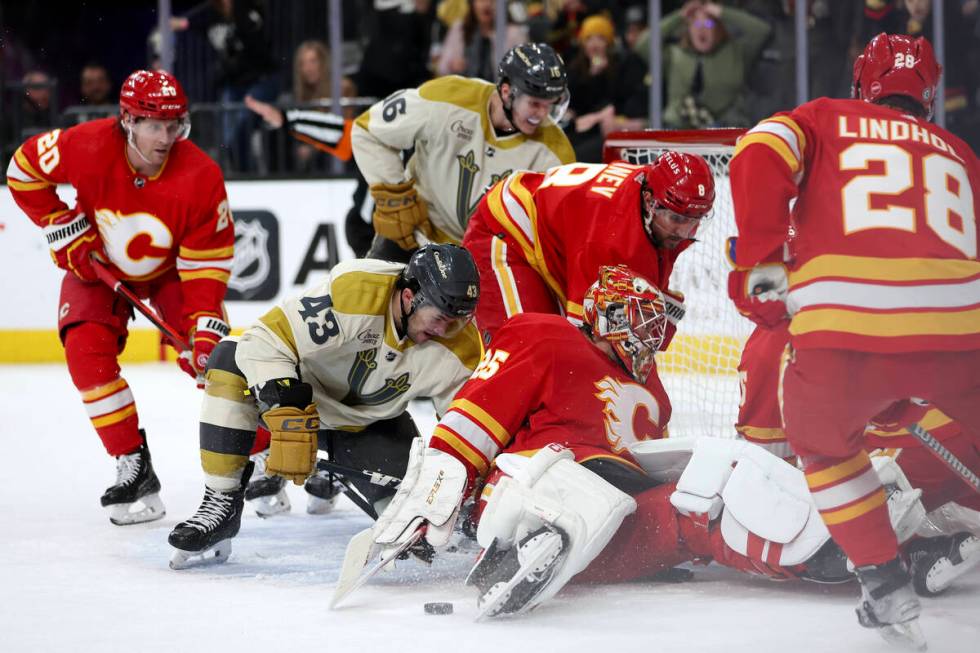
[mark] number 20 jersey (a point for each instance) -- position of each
(885, 219)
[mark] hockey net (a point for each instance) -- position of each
(700, 369)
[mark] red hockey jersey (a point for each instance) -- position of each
(885, 219)
(178, 218)
(575, 218)
(543, 382)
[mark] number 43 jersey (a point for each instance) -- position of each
(341, 338)
(885, 220)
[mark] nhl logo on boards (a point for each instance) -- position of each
(255, 268)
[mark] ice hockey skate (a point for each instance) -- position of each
(509, 579)
(889, 604)
(266, 494)
(322, 492)
(206, 536)
(936, 562)
(135, 498)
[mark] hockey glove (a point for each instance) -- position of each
(429, 495)
(398, 213)
(72, 241)
(760, 293)
(292, 448)
(203, 338)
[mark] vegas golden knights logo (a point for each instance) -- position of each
(468, 173)
(358, 375)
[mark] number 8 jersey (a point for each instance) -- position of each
(885, 219)
(341, 337)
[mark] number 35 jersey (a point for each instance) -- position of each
(885, 219)
(340, 336)
(542, 382)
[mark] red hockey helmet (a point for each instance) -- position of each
(153, 94)
(896, 64)
(682, 182)
(629, 313)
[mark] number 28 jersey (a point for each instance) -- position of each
(885, 219)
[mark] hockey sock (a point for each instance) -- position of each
(852, 503)
(90, 350)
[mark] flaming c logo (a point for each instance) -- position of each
(631, 413)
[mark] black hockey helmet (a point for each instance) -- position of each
(535, 69)
(444, 276)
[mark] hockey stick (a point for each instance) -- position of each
(948, 457)
(355, 570)
(117, 286)
(375, 478)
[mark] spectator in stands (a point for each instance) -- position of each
(95, 85)
(236, 30)
(607, 89)
(36, 110)
(467, 49)
(706, 71)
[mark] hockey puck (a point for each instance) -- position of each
(438, 608)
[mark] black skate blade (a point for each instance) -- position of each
(211, 556)
(149, 508)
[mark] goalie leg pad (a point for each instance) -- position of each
(551, 491)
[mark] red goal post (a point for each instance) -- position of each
(700, 369)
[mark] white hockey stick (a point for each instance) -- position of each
(945, 455)
(355, 571)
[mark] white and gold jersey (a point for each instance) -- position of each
(340, 337)
(457, 154)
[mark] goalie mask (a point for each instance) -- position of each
(629, 313)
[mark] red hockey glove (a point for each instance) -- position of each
(203, 338)
(760, 293)
(72, 241)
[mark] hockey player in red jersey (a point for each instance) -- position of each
(540, 238)
(152, 206)
(558, 433)
(883, 291)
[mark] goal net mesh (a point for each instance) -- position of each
(699, 370)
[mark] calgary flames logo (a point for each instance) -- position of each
(137, 243)
(630, 414)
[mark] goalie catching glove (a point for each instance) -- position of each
(398, 213)
(293, 422)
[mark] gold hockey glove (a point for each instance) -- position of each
(398, 212)
(292, 449)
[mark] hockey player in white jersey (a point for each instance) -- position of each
(334, 368)
(466, 134)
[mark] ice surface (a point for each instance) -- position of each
(70, 581)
